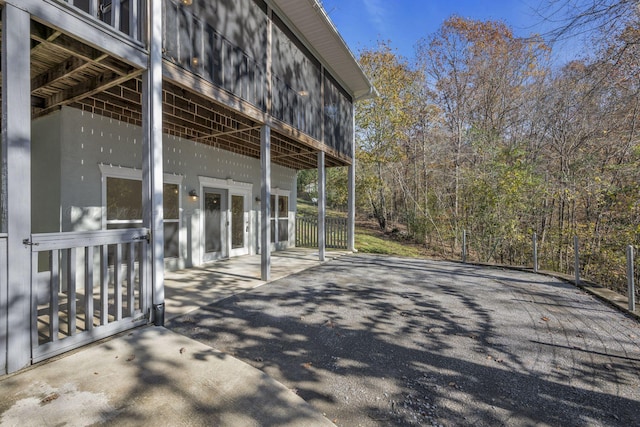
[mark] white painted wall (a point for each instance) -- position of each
(84, 141)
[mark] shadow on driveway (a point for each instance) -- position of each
(372, 341)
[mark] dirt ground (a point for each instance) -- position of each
(381, 341)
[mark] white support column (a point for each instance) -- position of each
(322, 203)
(351, 191)
(16, 159)
(152, 172)
(265, 203)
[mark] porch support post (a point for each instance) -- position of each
(322, 202)
(16, 169)
(351, 191)
(265, 205)
(152, 158)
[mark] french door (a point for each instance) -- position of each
(215, 224)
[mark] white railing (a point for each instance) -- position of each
(307, 232)
(86, 286)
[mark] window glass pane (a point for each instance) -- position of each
(124, 17)
(184, 36)
(124, 199)
(170, 31)
(273, 206)
(171, 201)
(283, 207)
(171, 239)
(104, 8)
(273, 231)
(237, 222)
(283, 230)
(82, 4)
(212, 221)
(122, 226)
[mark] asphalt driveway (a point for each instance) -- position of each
(377, 341)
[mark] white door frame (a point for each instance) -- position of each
(233, 188)
(277, 245)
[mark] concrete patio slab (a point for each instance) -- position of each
(150, 376)
(187, 290)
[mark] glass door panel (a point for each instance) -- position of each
(213, 221)
(237, 222)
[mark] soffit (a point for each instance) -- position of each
(312, 23)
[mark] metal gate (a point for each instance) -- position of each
(87, 286)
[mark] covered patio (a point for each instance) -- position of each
(189, 289)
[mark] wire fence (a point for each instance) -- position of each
(615, 269)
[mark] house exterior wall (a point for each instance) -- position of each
(46, 174)
(224, 42)
(78, 143)
(55, 166)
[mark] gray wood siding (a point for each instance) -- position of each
(221, 41)
(338, 118)
(225, 42)
(296, 85)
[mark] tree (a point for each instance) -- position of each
(478, 73)
(382, 124)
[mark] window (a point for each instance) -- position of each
(283, 218)
(279, 218)
(171, 206)
(123, 203)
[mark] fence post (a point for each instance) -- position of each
(577, 259)
(535, 252)
(630, 279)
(464, 246)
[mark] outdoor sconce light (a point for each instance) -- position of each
(186, 2)
(257, 199)
(194, 195)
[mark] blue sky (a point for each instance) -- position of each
(363, 22)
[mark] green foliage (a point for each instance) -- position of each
(480, 135)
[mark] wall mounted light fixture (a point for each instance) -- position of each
(194, 195)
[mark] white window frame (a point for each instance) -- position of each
(278, 192)
(122, 172)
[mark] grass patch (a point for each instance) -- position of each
(375, 242)
(305, 207)
(369, 238)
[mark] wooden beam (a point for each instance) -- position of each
(73, 47)
(86, 89)
(58, 72)
(230, 132)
